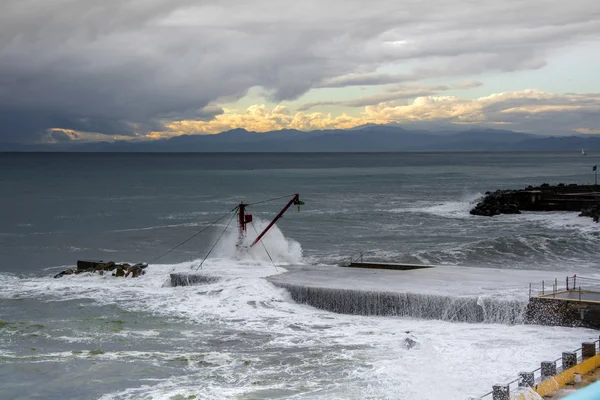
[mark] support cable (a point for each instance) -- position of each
(264, 247)
(217, 241)
(276, 198)
(213, 223)
(193, 236)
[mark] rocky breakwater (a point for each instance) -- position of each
(100, 267)
(581, 198)
(496, 203)
(592, 212)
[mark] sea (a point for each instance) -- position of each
(88, 336)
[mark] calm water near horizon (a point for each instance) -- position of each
(100, 337)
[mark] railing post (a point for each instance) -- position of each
(588, 349)
(548, 369)
(569, 360)
(530, 291)
(567, 283)
(574, 281)
(526, 379)
(579, 293)
(543, 288)
(500, 392)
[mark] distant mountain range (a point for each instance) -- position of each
(368, 138)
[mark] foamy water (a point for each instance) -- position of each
(241, 337)
(268, 346)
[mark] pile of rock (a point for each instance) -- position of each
(495, 203)
(561, 197)
(592, 212)
(123, 269)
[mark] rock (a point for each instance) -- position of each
(495, 204)
(592, 212)
(109, 266)
(88, 264)
(562, 197)
(65, 272)
(80, 271)
(136, 270)
(100, 267)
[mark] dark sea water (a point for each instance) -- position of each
(97, 337)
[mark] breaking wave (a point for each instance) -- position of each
(520, 251)
(446, 209)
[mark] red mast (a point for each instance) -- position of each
(294, 200)
(243, 219)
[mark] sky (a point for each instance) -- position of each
(88, 70)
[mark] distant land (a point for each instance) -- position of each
(368, 138)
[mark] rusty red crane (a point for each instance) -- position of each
(244, 218)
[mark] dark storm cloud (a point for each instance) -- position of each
(125, 66)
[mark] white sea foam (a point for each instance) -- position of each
(76, 249)
(149, 228)
(108, 250)
(339, 356)
(188, 215)
(446, 209)
(565, 220)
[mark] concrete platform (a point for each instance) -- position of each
(575, 295)
(439, 280)
(447, 293)
(392, 266)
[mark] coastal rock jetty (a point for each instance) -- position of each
(122, 270)
(581, 198)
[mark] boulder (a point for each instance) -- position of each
(592, 212)
(495, 204)
(88, 264)
(65, 272)
(100, 267)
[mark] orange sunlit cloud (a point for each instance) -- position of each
(510, 109)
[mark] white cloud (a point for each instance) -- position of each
(537, 111)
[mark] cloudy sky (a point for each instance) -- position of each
(147, 69)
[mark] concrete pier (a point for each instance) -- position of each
(191, 279)
(392, 266)
(566, 308)
(445, 292)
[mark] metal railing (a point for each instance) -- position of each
(575, 283)
(358, 258)
(537, 373)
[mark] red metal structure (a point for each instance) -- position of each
(244, 218)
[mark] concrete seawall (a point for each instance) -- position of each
(416, 305)
(183, 279)
(459, 294)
